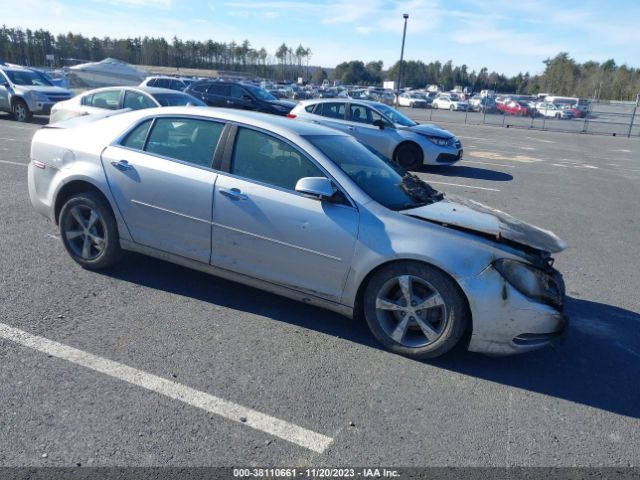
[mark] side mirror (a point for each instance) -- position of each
(6, 85)
(320, 187)
(379, 123)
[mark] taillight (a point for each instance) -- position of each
(291, 115)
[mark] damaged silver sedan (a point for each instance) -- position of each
(302, 211)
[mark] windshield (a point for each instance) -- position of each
(395, 116)
(261, 93)
(386, 183)
(27, 77)
(177, 100)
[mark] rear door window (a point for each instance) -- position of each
(137, 100)
(137, 136)
(109, 99)
(219, 89)
(189, 140)
(332, 110)
(163, 83)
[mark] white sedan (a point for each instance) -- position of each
(413, 100)
(552, 110)
(449, 101)
(115, 98)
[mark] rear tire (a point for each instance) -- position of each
(89, 231)
(391, 308)
(409, 156)
(21, 111)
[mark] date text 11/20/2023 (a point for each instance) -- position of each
(314, 473)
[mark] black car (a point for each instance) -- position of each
(238, 95)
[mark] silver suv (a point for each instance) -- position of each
(25, 92)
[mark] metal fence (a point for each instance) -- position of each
(604, 118)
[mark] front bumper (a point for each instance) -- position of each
(40, 108)
(506, 322)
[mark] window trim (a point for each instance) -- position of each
(231, 147)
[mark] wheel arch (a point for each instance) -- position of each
(18, 98)
(74, 187)
(358, 311)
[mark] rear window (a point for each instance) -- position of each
(177, 100)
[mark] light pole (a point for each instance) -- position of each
(404, 33)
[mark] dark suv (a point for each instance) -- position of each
(238, 95)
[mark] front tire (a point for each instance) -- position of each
(89, 231)
(409, 156)
(415, 310)
(21, 111)
(452, 108)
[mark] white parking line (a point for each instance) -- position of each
(465, 186)
(14, 163)
(232, 411)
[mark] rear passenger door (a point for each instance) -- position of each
(162, 180)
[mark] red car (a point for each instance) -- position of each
(514, 107)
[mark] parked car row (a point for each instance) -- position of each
(319, 206)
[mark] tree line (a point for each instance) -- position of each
(562, 74)
(30, 47)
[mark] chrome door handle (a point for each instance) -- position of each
(233, 193)
(229, 102)
(122, 165)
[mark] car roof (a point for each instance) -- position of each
(168, 77)
(149, 90)
(337, 100)
(274, 123)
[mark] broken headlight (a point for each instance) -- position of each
(530, 281)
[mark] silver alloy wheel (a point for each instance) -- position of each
(411, 311)
(85, 230)
(20, 111)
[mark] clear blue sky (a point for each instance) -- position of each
(505, 35)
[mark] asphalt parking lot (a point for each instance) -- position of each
(341, 399)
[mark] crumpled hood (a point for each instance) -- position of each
(430, 129)
(467, 214)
